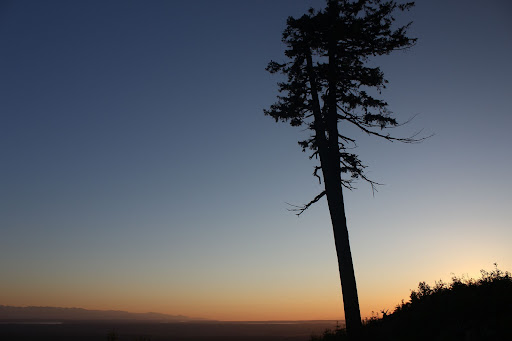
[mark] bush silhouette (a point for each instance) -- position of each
(466, 309)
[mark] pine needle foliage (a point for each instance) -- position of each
(330, 84)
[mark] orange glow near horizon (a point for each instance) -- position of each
(315, 307)
(314, 300)
(249, 310)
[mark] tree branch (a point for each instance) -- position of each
(315, 173)
(387, 137)
(301, 209)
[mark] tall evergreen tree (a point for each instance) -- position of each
(329, 86)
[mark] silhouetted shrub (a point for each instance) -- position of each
(466, 309)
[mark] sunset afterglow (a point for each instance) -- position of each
(140, 174)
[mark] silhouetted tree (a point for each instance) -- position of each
(329, 84)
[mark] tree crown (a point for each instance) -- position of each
(329, 82)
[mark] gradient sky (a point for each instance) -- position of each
(139, 173)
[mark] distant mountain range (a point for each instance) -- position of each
(11, 313)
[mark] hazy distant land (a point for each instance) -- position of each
(63, 324)
(21, 314)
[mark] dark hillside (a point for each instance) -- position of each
(466, 309)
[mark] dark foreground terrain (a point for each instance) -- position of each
(147, 331)
(465, 310)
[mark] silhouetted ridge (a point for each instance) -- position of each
(466, 309)
(58, 313)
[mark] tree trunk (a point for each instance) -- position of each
(334, 190)
(345, 265)
(330, 164)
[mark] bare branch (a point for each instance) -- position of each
(346, 139)
(301, 209)
(315, 173)
(347, 184)
(372, 183)
(387, 137)
(403, 123)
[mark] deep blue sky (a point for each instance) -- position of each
(135, 155)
